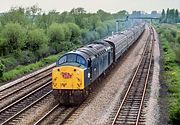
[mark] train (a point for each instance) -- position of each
(77, 70)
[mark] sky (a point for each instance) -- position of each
(93, 5)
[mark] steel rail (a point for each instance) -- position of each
(146, 82)
(24, 109)
(12, 92)
(25, 79)
(47, 114)
(24, 97)
(19, 101)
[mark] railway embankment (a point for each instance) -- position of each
(170, 74)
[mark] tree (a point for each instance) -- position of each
(177, 52)
(75, 33)
(94, 20)
(102, 30)
(41, 21)
(37, 42)
(69, 19)
(13, 38)
(178, 39)
(104, 15)
(33, 11)
(163, 16)
(79, 10)
(120, 15)
(167, 16)
(176, 16)
(67, 33)
(56, 37)
(171, 16)
(15, 15)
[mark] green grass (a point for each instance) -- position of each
(171, 73)
(175, 27)
(174, 89)
(21, 70)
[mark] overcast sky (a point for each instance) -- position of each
(93, 5)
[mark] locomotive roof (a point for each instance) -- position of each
(79, 53)
(92, 50)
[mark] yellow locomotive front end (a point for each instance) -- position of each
(68, 78)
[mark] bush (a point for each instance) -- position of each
(14, 37)
(102, 30)
(175, 110)
(177, 52)
(172, 71)
(56, 37)
(178, 26)
(37, 42)
(178, 39)
(2, 67)
(27, 57)
(173, 33)
(9, 62)
(75, 33)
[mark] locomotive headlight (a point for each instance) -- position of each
(89, 75)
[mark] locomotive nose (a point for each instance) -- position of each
(67, 78)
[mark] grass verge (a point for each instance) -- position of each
(171, 73)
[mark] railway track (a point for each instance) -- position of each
(129, 110)
(5, 91)
(57, 115)
(11, 111)
(21, 88)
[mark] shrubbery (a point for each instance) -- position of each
(171, 48)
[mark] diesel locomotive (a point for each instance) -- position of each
(75, 71)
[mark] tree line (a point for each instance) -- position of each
(29, 34)
(170, 16)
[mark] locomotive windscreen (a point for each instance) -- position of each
(72, 58)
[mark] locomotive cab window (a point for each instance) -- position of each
(72, 58)
(62, 60)
(81, 60)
